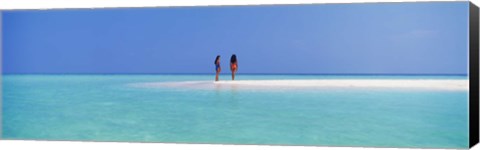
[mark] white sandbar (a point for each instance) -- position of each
(430, 84)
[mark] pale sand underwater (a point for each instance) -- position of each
(426, 84)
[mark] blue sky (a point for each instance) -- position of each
(385, 38)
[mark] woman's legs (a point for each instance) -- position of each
(233, 74)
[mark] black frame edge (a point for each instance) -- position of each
(473, 75)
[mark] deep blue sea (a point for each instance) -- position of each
(109, 108)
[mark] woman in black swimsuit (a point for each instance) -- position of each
(217, 67)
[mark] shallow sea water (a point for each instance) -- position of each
(109, 108)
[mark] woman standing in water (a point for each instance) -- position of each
(217, 67)
(233, 65)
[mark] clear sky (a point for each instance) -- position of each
(374, 38)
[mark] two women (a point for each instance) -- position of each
(233, 66)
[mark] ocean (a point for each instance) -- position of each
(116, 108)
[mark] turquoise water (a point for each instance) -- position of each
(108, 108)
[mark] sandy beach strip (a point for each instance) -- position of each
(430, 84)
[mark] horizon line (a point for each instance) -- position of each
(360, 74)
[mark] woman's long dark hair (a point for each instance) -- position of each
(216, 59)
(233, 59)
